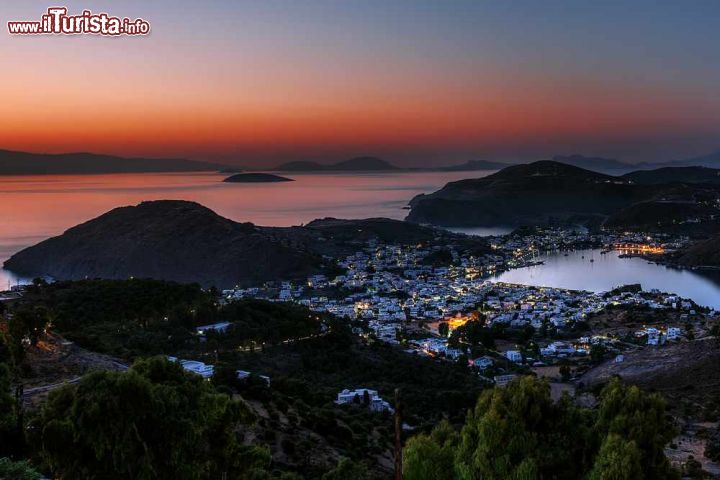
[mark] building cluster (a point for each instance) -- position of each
(659, 336)
(390, 287)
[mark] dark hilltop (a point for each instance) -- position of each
(554, 193)
(187, 242)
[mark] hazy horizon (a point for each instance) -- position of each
(418, 83)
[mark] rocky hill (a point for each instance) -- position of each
(172, 240)
(649, 216)
(705, 253)
(540, 193)
(186, 242)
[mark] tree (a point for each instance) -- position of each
(29, 322)
(689, 331)
(473, 333)
(565, 372)
(347, 470)
(366, 398)
(155, 420)
(619, 459)
(712, 447)
(641, 418)
(10, 470)
(518, 432)
(443, 329)
(8, 413)
(431, 457)
(597, 352)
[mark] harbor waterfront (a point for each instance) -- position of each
(599, 272)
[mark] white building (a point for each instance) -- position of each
(376, 404)
(502, 380)
(216, 327)
(673, 333)
(199, 368)
(244, 375)
(654, 336)
(514, 356)
(482, 362)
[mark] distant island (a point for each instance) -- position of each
(602, 164)
(711, 160)
(473, 165)
(257, 178)
(593, 163)
(675, 174)
(24, 163)
(357, 164)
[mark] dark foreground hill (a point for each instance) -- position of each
(705, 253)
(186, 242)
(23, 163)
(172, 240)
(544, 193)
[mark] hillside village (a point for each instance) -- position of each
(402, 294)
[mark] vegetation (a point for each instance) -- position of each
(712, 447)
(136, 318)
(518, 432)
(154, 421)
(439, 258)
(474, 333)
(22, 470)
(315, 370)
(157, 421)
(348, 470)
(9, 435)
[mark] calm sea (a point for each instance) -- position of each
(37, 207)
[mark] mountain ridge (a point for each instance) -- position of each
(25, 163)
(543, 193)
(366, 163)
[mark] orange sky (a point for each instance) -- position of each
(262, 84)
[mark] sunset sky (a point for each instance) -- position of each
(415, 82)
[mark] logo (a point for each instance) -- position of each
(57, 22)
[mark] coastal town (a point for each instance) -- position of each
(444, 302)
(417, 297)
(422, 297)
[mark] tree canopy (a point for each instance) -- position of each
(154, 421)
(519, 433)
